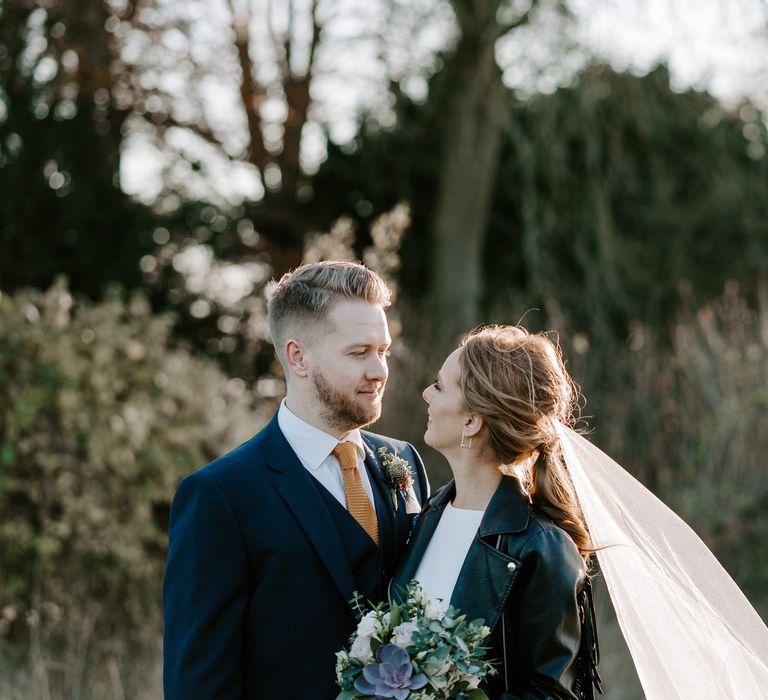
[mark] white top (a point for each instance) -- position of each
(313, 447)
(445, 554)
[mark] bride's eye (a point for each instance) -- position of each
(436, 384)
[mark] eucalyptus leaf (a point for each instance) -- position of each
(477, 694)
(395, 616)
(349, 694)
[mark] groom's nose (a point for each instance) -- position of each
(378, 368)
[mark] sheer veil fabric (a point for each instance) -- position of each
(691, 631)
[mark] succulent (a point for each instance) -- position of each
(392, 676)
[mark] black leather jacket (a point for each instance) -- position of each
(523, 575)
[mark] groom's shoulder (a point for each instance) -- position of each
(246, 457)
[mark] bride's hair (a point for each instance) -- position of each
(517, 383)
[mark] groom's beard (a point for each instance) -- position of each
(342, 411)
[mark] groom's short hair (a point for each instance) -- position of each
(304, 296)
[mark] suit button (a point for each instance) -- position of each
(511, 566)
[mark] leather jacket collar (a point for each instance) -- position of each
(488, 571)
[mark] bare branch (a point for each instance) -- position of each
(298, 100)
(288, 40)
(507, 27)
(316, 29)
(164, 121)
(252, 92)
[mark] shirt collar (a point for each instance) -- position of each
(312, 445)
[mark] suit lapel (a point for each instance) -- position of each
(294, 484)
(384, 513)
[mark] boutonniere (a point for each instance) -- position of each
(399, 478)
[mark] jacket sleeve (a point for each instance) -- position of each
(204, 595)
(542, 620)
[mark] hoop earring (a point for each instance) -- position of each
(466, 445)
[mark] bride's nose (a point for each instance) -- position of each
(425, 393)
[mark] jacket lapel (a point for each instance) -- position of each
(381, 496)
(294, 484)
(488, 573)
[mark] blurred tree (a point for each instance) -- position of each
(61, 206)
(212, 89)
(445, 153)
(273, 145)
(476, 110)
(240, 90)
(625, 192)
(608, 199)
(257, 60)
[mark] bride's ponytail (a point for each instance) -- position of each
(551, 491)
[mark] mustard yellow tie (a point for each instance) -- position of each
(358, 503)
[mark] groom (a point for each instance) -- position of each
(269, 542)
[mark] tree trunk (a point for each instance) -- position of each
(467, 176)
(96, 49)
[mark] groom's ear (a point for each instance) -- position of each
(295, 358)
(473, 424)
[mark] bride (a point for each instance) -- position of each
(511, 538)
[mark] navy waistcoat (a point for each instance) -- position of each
(362, 552)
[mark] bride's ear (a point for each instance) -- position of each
(473, 424)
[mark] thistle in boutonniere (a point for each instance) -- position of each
(399, 477)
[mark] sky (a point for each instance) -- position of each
(714, 44)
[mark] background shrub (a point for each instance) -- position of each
(99, 419)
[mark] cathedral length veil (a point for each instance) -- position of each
(691, 631)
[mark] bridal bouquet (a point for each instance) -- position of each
(420, 649)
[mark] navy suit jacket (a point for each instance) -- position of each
(257, 589)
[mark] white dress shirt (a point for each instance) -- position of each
(445, 554)
(314, 447)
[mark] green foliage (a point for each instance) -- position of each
(618, 190)
(612, 193)
(85, 228)
(99, 420)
